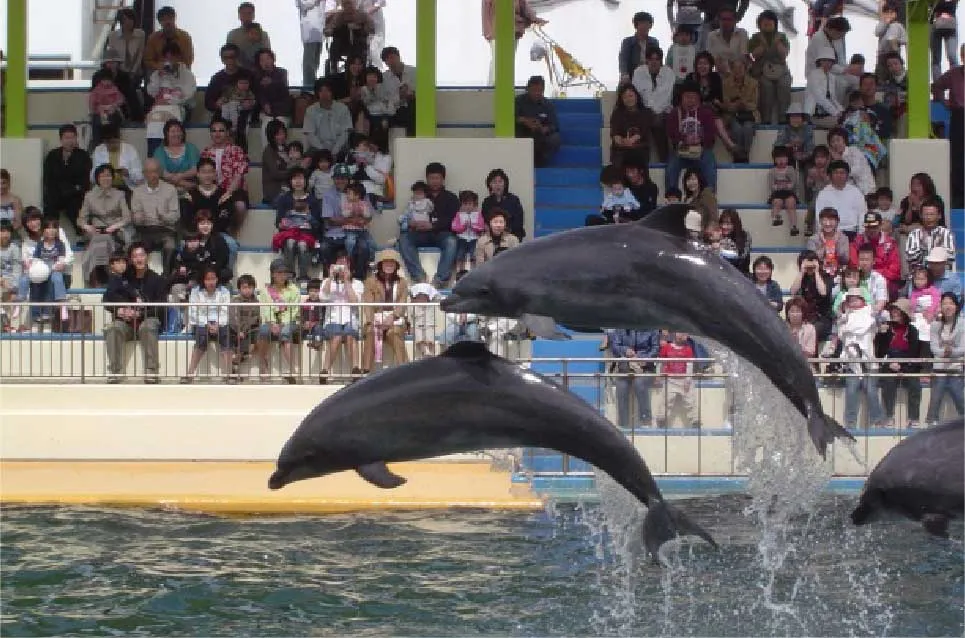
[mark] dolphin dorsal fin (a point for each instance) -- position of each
(670, 219)
(468, 350)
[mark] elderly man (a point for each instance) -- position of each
(155, 211)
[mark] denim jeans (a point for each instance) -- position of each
(233, 247)
(889, 395)
(54, 289)
(641, 390)
(942, 385)
(361, 249)
(298, 257)
(706, 164)
(411, 241)
(852, 399)
(454, 333)
(950, 40)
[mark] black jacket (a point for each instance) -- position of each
(151, 288)
(513, 207)
(445, 206)
(884, 349)
(63, 180)
(193, 262)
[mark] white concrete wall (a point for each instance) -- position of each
(23, 158)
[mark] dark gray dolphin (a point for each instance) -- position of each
(464, 400)
(921, 478)
(645, 275)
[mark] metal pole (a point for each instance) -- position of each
(504, 108)
(425, 111)
(919, 70)
(15, 78)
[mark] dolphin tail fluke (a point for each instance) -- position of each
(824, 430)
(542, 327)
(664, 523)
(379, 475)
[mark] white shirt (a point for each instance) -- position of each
(201, 315)
(848, 201)
(888, 33)
(392, 82)
(657, 98)
(860, 175)
(28, 246)
(311, 14)
(127, 158)
(342, 312)
(725, 52)
(821, 91)
(818, 42)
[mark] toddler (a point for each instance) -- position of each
(321, 180)
(782, 184)
(682, 54)
(419, 208)
(619, 204)
(468, 224)
(239, 105)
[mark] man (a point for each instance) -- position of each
(635, 169)
(536, 119)
(929, 235)
(937, 264)
(312, 15)
(239, 35)
(884, 249)
(873, 278)
(832, 35)
(434, 233)
(655, 82)
(633, 49)
(333, 240)
(953, 81)
(66, 176)
(525, 18)
(728, 43)
(120, 155)
(880, 114)
(214, 95)
(139, 284)
(400, 78)
(155, 211)
(153, 56)
(692, 132)
(844, 197)
(626, 346)
(328, 123)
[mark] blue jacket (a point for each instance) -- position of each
(646, 344)
(631, 53)
(284, 207)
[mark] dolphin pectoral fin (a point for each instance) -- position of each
(543, 327)
(663, 523)
(935, 524)
(824, 430)
(379, 475)
(670, 219)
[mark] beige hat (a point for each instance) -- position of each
(901, 304)
(937, 255)
(387, 254)
(693, 221)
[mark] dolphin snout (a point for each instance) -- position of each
(277, 480)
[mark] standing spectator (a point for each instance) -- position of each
(343, 293)
(385, 324)
(628, 346)
(231, 166)
(631, 126)
(500, 197)
(536, 119)
(691, 129)
(239, 35)
(356, 217)
(377, 38)
(871, 279)
(156, 212)
(121, 156)
(763, 269)
(106, 221)
(740, 104)
(255, 40)
(525, 17)
(678, 381)
(769, 49)
(105, 103)
(802, 331)
(311, 14)
(844, 197)
(299, 223)
(139, 285)
(11, 206)
(728, 43)
(126, 83)
(280, 305)
(944, 30)
(655, 83)
(333, 241)
(820, 95)
(169, 32)
(782, 183)
(899, 340)
(468, 224)
(380, 105)
(222, 81)
(682, 54)
(178, 158)
(347, 87)
(128, 41)
(948, 343)
(856, 332)
(66, 176)
(400, 78)
(173, 87)
(832, 37)
(497, 237)
(924, 301)
(891, 36)
(814, 286)
(929, 235)
(435, 233)
(208, 320)
(953, 81)
(937, 262)
(633, 48)
(327, 122)
(887, 261)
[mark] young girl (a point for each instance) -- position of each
(11, 206)
(850, 281)
(104, 101)
(698, 194)
(468, 224)
(274, 161)
(321, 180)
(898, 339)
(51, 250)
(209, 321)
(782, 184)
(11, 268)
(297, 219)
(924, 301)
(802, 331)
(763, 271)
(947, 342)
(239, 106)
(735, 242)
(279, 319)
(797, 136)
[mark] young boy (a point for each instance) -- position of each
(419, 208)
(678, 381)
(313, 316)
(322, 180)
(885, 205)
(243, 322)
(782, 184)
(185, 267)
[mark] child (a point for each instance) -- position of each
(423, 319)
(186, 265)
(673, 196)
(381, 104)
(11, 268)
(356, 209)
(105, 101)
(885, 206)
(817, 178)
(925, 301)
(763, 268)
(313, 316)
(243, 322)
(238, 106)
(461, 326)
(208, 319)
(343, 293)
(321, 180)
(468, 224)
(51, 250)
(298, 221)
(419, 208)
(850, 282)
(11, 206)
(682, 54)
(280, 301)
(782, 184)
(677, 380)
(619, 204)
(861, 132)
(797, 135)
(296, 155)
(693, 223)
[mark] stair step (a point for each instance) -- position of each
(586, 198)
(578, 156)
(580, 120)
(576, 105)
(586, 136)
(568, 177)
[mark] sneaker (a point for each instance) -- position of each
(911, 425)
(323, 377)
(114, 379)
(185, 380)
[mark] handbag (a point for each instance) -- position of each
(944, 23)
(78, 321)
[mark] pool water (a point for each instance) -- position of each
(85, 571)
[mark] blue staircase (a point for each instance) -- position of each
(956, 223)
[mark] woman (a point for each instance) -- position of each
(899, 340)
(709, 81)
(944, 30)
(128, 41)
(921, 188)
(947, 342)
(820, 94)
(347, 88)
(630, 126)
(384, 325)
(381, 104)
(173, 87)
(802, 331)
(11, 206)
(770, 48)
(271, 88)
(735, 242)
(740, 103)
(497, 183)
(700, 196)
(106, 221)
(496, 239)
(860, 174)
(274, 162)
(178, 157)
(814, 286)
(373, 168)
(298, 218)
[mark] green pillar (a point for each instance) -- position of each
(425, 47)
(15, 84)
(504, 111)
(919, 71)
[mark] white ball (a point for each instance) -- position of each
(39, 271)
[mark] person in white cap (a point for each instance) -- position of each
(937, 264)
(820, 94)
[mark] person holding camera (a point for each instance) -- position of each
(814, 286)
(343, 292)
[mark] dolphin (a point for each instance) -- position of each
(921, 478)
(464, 400)
(645, 275)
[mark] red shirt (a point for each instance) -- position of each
(887, 262)
(673, 351)
(234, 162)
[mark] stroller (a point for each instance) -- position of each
(348, 32)
(564, 70)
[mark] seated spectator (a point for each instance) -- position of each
(885, 206)
(856, 332)
(356, 216)
(802, 331)
(468, 225)
(619, 204)
(231, 166)
(422, 320)
(699, 195)
(628, 346)
(655, 83)
(173, 87)
(857, 122)
(797, 136)
(691, 130)
(11, 269)
(782, 183)
(380, 105)
(271, 89)
(105, 103)
(384, 325)
(127, 83)
(255, 40)
(178, 158)
(327, 123)
(32, 233)
(929, 235)
(633, 48)
(727, 44)
(895, 85)
(891, 36)
(859, 171)
(461, 326)
(333, 240)
(741, 95)
(763, 271)
(322, 180)
(820, 94)
(244, 318)
(948, 344)
(280, 303)
(239, 107)
(416, 232)
(497, 237)
(106, 221)
(709, 82)
(845, 198)
(682, 54)
(184, 275)
(373, 168)
(169, 32)
(937, 263)
(630, 126)
(224, 80)
(536, 119)
(239, 35)
(208, 320)
(53, 251)
(208, 196)
(400, 78)
(637, 173)
(816, 178)
(886, 260)
(127, 46)
(122, 157)
(299, 223)
(769, 49)
(879, 115)
(497, 183)
(275, 163)
(313, 316)
(139, 284)
(11, 206)
(66, 176)
(155, 211)
(814, 285)
(735, 243)
(675, 196)
(343, 292)
(872, 279)
(921, 188)
(898, 339)
(215, 245)
(347, 88)
(678, 382)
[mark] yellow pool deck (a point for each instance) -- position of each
(240, 488)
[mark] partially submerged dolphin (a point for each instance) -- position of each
(921, 478)
(464, 400)
(645, 275)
